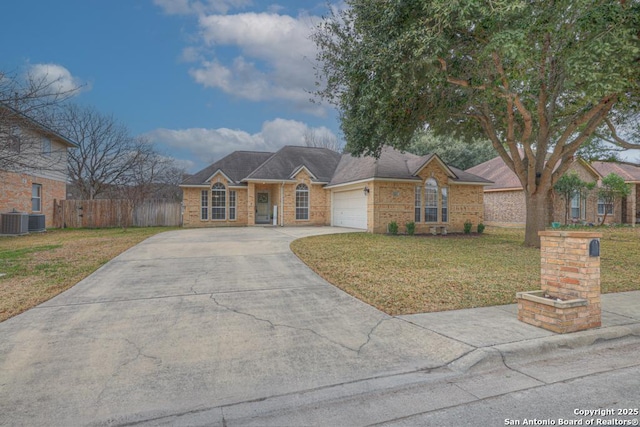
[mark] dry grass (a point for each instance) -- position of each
(417, 274)
(39, 266)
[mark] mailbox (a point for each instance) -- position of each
(594, 248)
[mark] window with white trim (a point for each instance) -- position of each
(575, 206)
(431, 201)
(302, 202)
(418, 204)
(232, 205)
(445, 204)
(218, 201)
(602, 205)
(36, 197)
(204, 205)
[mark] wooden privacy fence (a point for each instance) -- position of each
(116, 213)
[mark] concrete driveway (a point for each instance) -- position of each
(195, 320)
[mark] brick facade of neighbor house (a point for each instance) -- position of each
(504, 201)
(15, 193)
(391, 182)
(36, 155)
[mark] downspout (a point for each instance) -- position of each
(282, 204)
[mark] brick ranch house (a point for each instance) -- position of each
(317, 186)
(504, 202)
(35, 165)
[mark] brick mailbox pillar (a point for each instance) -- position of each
(569, 299)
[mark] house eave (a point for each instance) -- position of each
(361, 181)
(269, 181)
(496, 190)
(483, 184)
(194, 186)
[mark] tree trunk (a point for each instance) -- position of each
(537, 205)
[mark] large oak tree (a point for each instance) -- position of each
(537, 77)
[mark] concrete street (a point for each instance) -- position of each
(228, 327)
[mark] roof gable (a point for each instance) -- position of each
(430, 158)
(302, 168)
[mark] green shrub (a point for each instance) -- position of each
(393, 227)
(467, 227)
(480, 228)
(411, 228)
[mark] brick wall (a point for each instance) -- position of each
(504, 208)
(395, 201)
(192, 206)
(15, 193)
(319, 202)
(569, 273)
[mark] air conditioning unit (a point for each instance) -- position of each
(14, 223)
(37, 223)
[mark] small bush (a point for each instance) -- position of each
(411, 228)
(393, 227)
(480, 228)
(467, 227)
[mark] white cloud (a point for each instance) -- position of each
(208, 145)
(274, 58)
(198, 7)
(56, 77)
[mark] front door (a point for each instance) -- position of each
(262, 208)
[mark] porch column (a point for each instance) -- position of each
(251, 204)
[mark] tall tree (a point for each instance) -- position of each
(322, 139)
(453, 151)
(538, 78)
(109, 158)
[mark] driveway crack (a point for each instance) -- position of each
(372, 331)
(280, 325)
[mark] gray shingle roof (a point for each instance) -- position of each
(392, 164)
(327, 166)
(237, 166)
(321, 162)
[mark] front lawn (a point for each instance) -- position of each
(417, 274)
(38, 266)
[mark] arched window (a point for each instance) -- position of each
(431, 201)
(302, 202)
(218, 201)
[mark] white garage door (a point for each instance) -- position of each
(350, 209)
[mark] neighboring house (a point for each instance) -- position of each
(504, 201)
(33, 165)
(317, 186)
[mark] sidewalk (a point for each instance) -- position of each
(498, 327)
(508, 356)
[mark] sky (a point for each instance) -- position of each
(198, 78)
